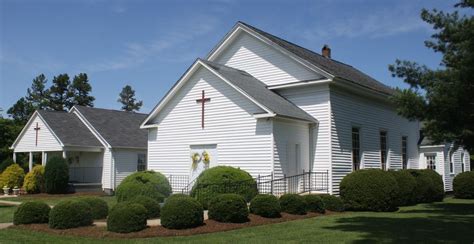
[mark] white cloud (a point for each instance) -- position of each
(137, 53)
(380, 23)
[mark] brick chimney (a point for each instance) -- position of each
(326, 51)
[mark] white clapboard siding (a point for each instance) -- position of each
(125, 162)
(315, 101)
(287, 134)
(371, 117)
(242, 141)
(46, 140)
(107, 169)
(263, 62)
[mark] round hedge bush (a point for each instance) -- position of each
(56, 175)
(144, 183)
(223, 179)
(406, 184)
(369, 190)
(181, 212)
(70, 214)
(266, 206)
(230, 208)
(126, 217)
(463, 185)
(34, 180)
(12, 176)
(293, 204)
(332, 203)
(34, 212)
(151, 205)
(428, 188)
(314, 203)
(99, 207)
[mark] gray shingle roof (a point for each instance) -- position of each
(69, 128)
(336, 68)
(118, 128)
(258, 91)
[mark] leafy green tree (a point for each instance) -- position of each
(9, 130)
(128, 100)
(21, 111)
(37, 95)
(60, 94)
(80, 89)
(442, 98)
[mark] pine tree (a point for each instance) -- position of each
(79, 90)
(21, 111)
(442, 98)
(60, 95)
(128, 100)
(37, 95)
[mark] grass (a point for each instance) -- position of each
(6, 212)
(451, 221)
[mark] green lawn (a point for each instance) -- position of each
(6, 212)
(450, 221)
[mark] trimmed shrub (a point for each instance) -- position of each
(126, 217)
(266, 206)
(223, 179)
(406, 184)
(463, 185)
(151, 205)
(34, 180)
(12, 176)
(144, 183)
(5, 163)
(181, 212)
(56, 175)
(314, 203)
(293, 204)
(34, 212)
(369, 190)
(332, 203)
(99, 207)
(70, 214)
(428, 187)
(229, 207)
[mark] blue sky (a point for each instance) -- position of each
(149, 44)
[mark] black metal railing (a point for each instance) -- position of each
(306, 182)
(85, 174)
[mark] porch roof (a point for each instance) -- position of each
(69, 129)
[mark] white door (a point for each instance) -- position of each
(202, 157)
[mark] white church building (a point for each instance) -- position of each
(269, 106)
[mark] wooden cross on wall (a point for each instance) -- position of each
(202, 101)
(37, 130)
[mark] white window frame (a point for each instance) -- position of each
(145, 163)
(359, 148)
(427, 164)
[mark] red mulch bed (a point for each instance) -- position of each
(209, 226)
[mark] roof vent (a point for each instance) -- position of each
(326, 51)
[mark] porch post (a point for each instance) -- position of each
(30, 162)
(14, 157)
(45, 158)
(64, 154)
(42, 158)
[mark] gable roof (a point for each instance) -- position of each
(119, 128)
(69, 129)
(338, 69)
(258, 91)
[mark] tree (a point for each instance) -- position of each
(80, 89)
(442, 98)
(60, 94)
(9, 130)
(37, 95)
(128, 100)
(21, 111)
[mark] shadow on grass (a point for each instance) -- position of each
(440, 222)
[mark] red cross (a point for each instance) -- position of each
(203, 100)
(37, 129)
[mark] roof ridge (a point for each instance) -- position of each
(109, 109)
